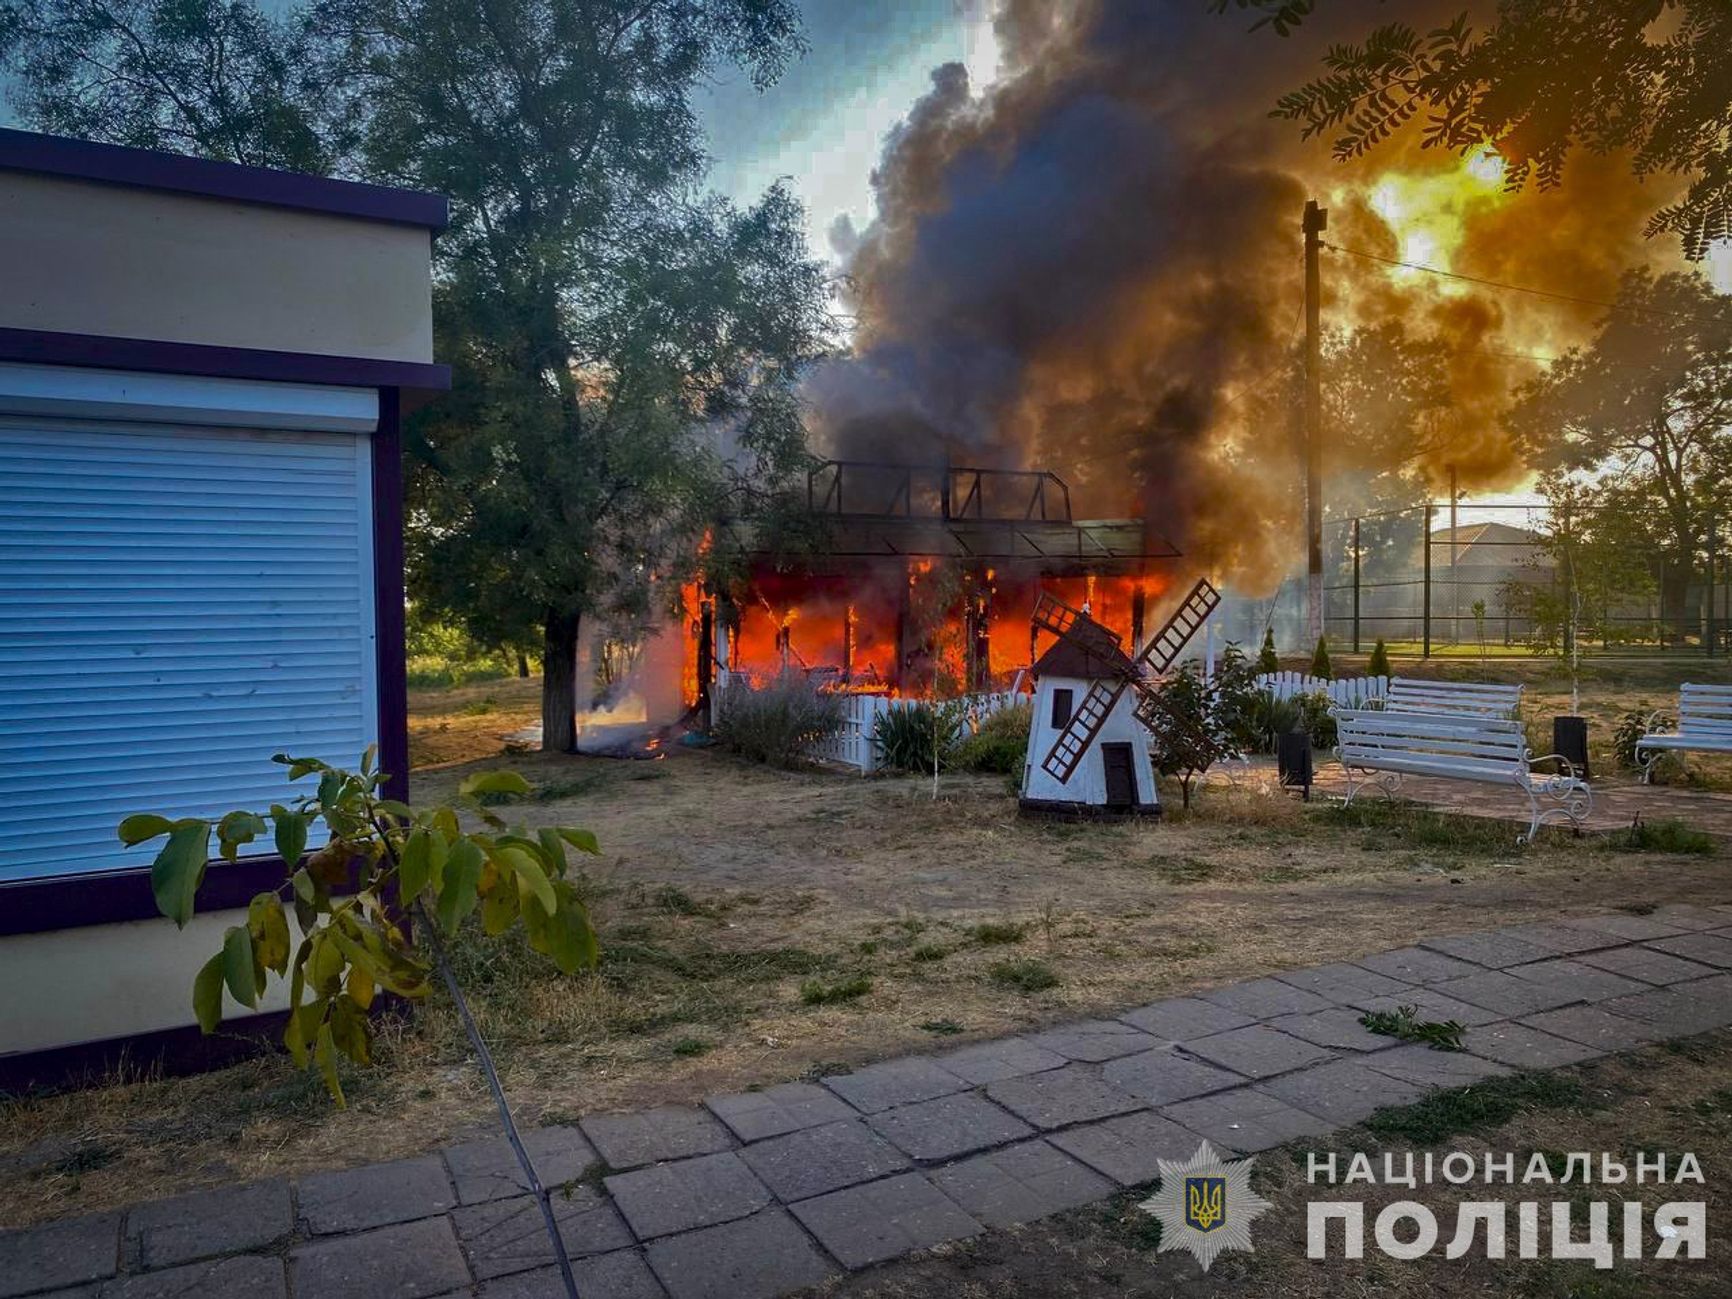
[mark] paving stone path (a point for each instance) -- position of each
(757, 1194)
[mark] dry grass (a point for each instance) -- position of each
(727, 887)
(1672, 1098)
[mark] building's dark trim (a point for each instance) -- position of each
(388, 611)
(153, 356)
(170, 1051)
(107, 897)
(112, 164)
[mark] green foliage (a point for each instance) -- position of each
(1378, 664)
(1267, 659)
(1404, 1022)
(388, 855)
(999, 932)
(1480, 1107)
(815, 992)
(1320, 667)
(1314, 719)
(1632, 726)
(1662, 836)
(602, 313)
(1542, 78)
(1026, 976)
(1000, 745)
(916, 736)
(778, 723)
(1238, 702)
(1187, 737)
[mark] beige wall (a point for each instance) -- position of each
(104, 981)
(85, 258)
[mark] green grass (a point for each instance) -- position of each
(941, 1027)
(1404, 1022)
(816, 992)
(677, 902)
(1402, 825)
(1025, 976)
(993, 934)
(687, 1047)
(930, 952)
(1182, 870)
(1662, 836)
(1480, 1107)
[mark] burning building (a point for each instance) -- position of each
(926, 578)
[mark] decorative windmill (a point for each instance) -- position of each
(1090, 701)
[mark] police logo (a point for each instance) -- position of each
(1205, 1204)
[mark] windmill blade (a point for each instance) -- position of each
(1067, 751)
(1163, 651)
(1054, 615)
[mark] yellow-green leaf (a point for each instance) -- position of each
(492, 782)
(145, 825)
(552, 850)
(207, 994)
(531, 879)
(566, 935)
(326, 965)
(179, 869)
(238, 970)
(236, 830)
(360, 987)
(498, 911)
(325, 1056)
(350, 1032)
(270, 930)
(458, 896)
(291, 835)
(415, 870)
(582, 840)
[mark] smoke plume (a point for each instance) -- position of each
(1094, 267)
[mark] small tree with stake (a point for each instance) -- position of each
(1183, 718)
(383, 865)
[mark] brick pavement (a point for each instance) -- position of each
(757, 1194)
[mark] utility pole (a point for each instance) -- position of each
(1315, 223)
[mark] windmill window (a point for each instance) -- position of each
(1061, 707)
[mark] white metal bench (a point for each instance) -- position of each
(1704, 724)
(1470, 698)
(1494, 750)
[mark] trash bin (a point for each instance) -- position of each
(1293, 761)
(1570, 738)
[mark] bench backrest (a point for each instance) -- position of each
(1477, 698)
(1705, 710)
(1368, 734)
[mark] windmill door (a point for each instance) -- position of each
(1121, 775)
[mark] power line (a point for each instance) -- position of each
(1513, 288)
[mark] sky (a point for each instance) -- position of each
(823, 124)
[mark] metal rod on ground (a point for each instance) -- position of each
(486, 1057)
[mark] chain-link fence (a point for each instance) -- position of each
(1501, 578)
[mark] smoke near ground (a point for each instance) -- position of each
(1094, 266)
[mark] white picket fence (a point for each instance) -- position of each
(1349, 692)
(852, 745)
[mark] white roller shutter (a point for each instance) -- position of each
(177, 603)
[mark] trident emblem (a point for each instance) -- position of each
(1205, 1202)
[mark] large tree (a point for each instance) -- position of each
(625, 346)
(1542, 78)
(1644, 413)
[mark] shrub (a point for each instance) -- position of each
(917, 736)
(1001, 743)
(815, 992)
(1320, 660)
(1631, 728)
(1378, 665)
(1238, 702)
(1267, 659)
(1662, 836)
(1276, 717)
(779, 723)
(1315, 720)
(999, 933)
(1025, 975)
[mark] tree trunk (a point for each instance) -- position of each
(522, 666)
(1674, 601)
(559, 682)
